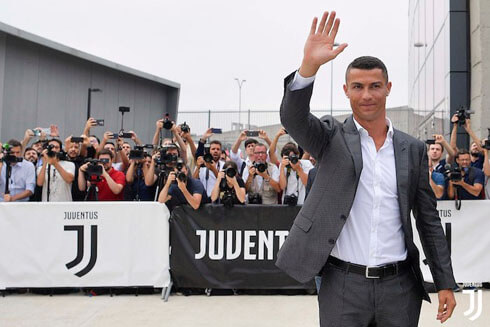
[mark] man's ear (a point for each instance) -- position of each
(345, 91)
(388, 87)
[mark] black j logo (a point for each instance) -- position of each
(79, 257)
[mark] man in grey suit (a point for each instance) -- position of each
(355, 225)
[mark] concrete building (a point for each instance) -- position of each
(43, 82)
(448, 58)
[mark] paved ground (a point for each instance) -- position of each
(148, 310)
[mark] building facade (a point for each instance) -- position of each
(44, 83)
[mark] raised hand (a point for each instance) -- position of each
(319, 47)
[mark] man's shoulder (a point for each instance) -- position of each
(411, 141)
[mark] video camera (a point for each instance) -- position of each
(139, 151)
(8, 157)
(463, 114)
(453, 172)
(166, 158)
(61, 155)
(94, 169)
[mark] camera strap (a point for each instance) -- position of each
(49, 182)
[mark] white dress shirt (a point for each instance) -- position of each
(372, 234)
(207, 177)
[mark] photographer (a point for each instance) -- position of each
(181, 189)
(229, 188)
(262, 178)
(56, 174)
(208, 166)
(476, 150)
(110, 183)
(166, 123)
(293, 175)
(135, 180)
(162, 162)
(22, 179)
(465, 181)
(31, 155)
(436, 150)
(76, 153)
(121, 161)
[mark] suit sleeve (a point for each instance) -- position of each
(310, 132)
(430, 230)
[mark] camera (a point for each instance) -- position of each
(254, 198)
(166, 158)
(8, 157)
(463, 114)
(430, 141)
(167, 123)
(291, 200)
(94, 169)
(486, 144)
(230, 172)
(185, 128)
(207, 155)
(139, 151)
(293, 159)
(261, 167)
(453, 172)
(181, 176)
(227, 199)
(59, 155)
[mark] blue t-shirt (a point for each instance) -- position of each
(193, 186)
(438, 178)
(478, 163)
(479, 178)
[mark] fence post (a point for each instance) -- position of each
(248, 119)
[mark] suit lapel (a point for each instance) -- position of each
(353, 141)
(402, 178)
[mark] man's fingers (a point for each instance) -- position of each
(321, 27)
(327, 29)
(340, 48)
(313, 26)
(335, 29)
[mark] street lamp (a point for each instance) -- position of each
(331, 83)
(240, 83)
(89, 100)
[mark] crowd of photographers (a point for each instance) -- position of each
(177, 171)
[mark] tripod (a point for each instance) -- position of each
(162, 178)
(8, 173)
(93, 189)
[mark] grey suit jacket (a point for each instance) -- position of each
(337, 149)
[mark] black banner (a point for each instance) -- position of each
(236, 248)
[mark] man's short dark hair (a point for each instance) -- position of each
(462, 151)
(288, 148)
(367, 63)
(14, 143)
(29, 149)
(216, 142)
(106, 151)
(110, 143)
(57, 141)
(439, 144)
(249, 141)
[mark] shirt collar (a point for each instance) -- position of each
(362, 130)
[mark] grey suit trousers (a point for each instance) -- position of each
(352, 300)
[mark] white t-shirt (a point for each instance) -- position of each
(294, 182)
(207, 178)
(59, 190)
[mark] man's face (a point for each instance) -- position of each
(31, 155)
(108, 165)
(249, 149)
(55, 146)
(215, 151)
(38, 147)
(367, 91)
(74, 150)
(464, 160)
(111, 148)
(126, 148)
(260, 154)
(435, 152)
(474, 149)
(93, 141)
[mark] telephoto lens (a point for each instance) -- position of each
(230, 172)
(261, 167)
(293, 159)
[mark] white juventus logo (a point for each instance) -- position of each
(472, 304)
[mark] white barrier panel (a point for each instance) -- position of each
(84, 244)
(467, 231)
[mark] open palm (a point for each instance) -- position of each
(319, 48)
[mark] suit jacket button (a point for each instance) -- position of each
(343, 217)
(331, 241)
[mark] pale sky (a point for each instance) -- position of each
(204, 45)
